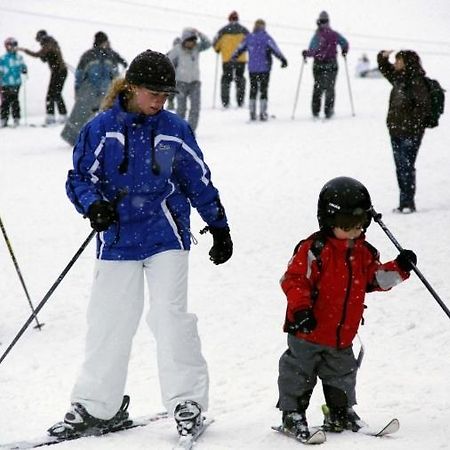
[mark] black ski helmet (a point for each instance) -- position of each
(344, 200)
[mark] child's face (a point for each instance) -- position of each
(347, 232)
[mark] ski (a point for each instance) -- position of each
(52, 440)
(316, 437)
(187, 442)
(392, 426)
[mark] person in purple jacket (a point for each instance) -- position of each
(323, 48)
(260, 47)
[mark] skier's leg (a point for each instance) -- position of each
(183, 372)
(60, 79)
(113, 316)
(263, 99)
(329, 86)
(182, 98)
(317, 90)
(195, 105)
(253, 93)
(240, 82)
(6, 104)
(225, 82)
(297, 374)
(15, 105)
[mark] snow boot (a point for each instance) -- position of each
(295, 422)
(50, 119)
(62, 118)
(263, 110)
(189, 419)
(78, 422)
(16, 122)
(354, 422)
(4, 123)
(252, 106)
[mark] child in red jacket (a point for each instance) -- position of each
(325, 286)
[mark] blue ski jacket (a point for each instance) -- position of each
(156, 162)
(11, 69)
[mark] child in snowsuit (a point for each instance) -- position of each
(325, 285)
(11, 69)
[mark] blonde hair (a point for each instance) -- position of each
(118, 86)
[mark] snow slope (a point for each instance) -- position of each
(269, 176)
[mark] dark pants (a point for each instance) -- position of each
(405, 153)
(10, 100)
(324, 80)
(233, 70)
(259, 82)
(55, 87)
(303, 362)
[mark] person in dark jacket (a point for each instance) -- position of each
(50, 53)
(409, 107)
(137, 170)
(323, 48)
(325, 285)
(96, 69)
(260, 47)
(226, 41)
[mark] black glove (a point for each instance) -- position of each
(222, 248)
(305, 54)
(102, 215)
(305, 322)
(405, 260)
(284, 63)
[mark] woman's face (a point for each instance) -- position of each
(146, 101)
(399, 63)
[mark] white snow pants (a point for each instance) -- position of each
(113, 315)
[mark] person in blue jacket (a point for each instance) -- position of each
(11, 69)
(260, 46)
(137, 169)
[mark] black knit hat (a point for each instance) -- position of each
(152, 70)
(100, 38)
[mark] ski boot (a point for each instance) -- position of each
(78, 422)
(336, 420)
(354, 422)
(295, 422)
(189, 419)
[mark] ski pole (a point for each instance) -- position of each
(298, 88)
(349, 87)
(48, 294)
(377, 218)
(19, 273)
(215, 81)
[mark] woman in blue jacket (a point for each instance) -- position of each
(260, 47)
(137, 171)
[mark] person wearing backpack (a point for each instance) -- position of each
(96, 69)
(325, 285)
(408, 115)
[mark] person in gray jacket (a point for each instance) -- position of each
(185, 58)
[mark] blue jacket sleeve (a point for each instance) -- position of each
(194, 177)
(82, 179)
(343, 43)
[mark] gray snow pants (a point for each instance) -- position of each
(303, 362)
(191, 90)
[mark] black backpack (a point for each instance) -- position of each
(437, 97)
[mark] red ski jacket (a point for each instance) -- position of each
(333, 282)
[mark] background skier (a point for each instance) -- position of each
(323, 48)
(225, 42)
(51, 54)
(12, 67)
(260, 46)
(96, 69)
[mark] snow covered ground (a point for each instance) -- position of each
(269, 176)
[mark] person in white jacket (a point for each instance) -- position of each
(185, 58)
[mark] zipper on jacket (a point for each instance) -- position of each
(347, 295)
(156, 169)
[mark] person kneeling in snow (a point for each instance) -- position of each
(325, 285)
